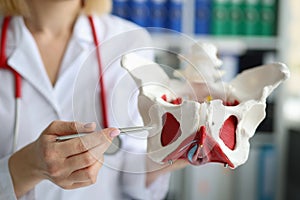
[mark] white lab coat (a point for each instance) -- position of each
(74, 98)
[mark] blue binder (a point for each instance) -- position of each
(175, 14)
(202, 16)
(139, 12)
(158, 13)
(120, 8)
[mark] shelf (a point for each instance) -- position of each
(261, 138)
(256, 43)
(226, 44)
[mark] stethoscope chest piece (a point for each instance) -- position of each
(114, 147)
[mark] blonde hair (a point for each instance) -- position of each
(96, 6)
(19, 7)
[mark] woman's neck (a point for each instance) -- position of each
(52, 17)
(51, 25)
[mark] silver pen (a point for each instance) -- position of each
(122, 130)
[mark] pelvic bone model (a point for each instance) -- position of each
(197, 116)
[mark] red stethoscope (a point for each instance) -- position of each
(18, 80)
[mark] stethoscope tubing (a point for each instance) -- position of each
(17, 123)
(101, 77)
(18, 81)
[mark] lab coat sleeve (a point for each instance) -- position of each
(133, 188)
(133, 184)
(6, 185)
(159, 188)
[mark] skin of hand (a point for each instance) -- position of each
(69, 164)
(155, 170)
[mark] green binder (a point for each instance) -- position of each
(237, 17)
(268, 17)
(252, 17)
(220, 17)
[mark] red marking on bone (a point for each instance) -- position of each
(202, 132)
(209, 152)
(183, 147)
(234, 103)
(212, 152)
(177, 101)
(227, 132)
(164, 97)
(203, 135)
(171, 129)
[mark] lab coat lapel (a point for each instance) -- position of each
(80, 42)
(79, 48)
(26, 60)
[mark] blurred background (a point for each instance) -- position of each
(247, 33)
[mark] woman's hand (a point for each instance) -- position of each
(69, 164)
(155, 170)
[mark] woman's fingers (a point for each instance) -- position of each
(88, 174)
(67, 128)
(86, 159)
(75, 162)
(80, 178)
(79, 145)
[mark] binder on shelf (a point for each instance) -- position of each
(139, 12)
(267, 173)
(220, 17)
(158, 12)
(202, 16)
(175, 14)
(268, 17)
(237, 17)
(246, 177)
(252, 17)
(120, 8)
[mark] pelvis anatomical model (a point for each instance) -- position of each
(197, 116)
